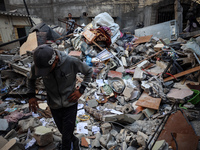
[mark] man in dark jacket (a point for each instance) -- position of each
(58, 71)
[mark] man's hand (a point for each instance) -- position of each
(33, 104)
(73, 98)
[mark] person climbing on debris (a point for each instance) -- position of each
(58, 71)
(70, 24)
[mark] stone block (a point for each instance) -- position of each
(139, 74)
(124, 62)
(127, 108)
(105, 139)
(29, 123)
(43, 136)
(3, 124)
(143, 64)
(113, 132)
(180, 94)
(92, 103)
(106, 128)
(148, 112)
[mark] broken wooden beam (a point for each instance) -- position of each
(182, 73)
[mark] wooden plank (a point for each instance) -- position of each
(182, 73)
(143, 39)
(2, 142)
(148, 102)
(10, 144)
(30, 44)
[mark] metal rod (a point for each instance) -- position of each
(22, 38)
(28, 13)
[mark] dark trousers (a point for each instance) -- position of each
(65, 120)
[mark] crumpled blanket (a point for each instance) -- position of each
(15, 116)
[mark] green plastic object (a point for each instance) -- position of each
(194, 100)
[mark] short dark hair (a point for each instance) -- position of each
(69, 13)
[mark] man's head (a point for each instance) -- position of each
(45, 59)
(69, 15)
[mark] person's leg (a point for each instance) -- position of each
(68, 124)
(57, 115)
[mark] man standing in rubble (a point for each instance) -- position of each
(58, 72)
(70, 24)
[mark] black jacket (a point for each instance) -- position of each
(60, 83)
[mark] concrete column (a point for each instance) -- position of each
(178, 9)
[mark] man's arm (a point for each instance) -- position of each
(83, 68)
(31, 82)
(31, 90)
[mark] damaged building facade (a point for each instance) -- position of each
(128, 14)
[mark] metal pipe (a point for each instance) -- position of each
(28, 13)
(22, 38)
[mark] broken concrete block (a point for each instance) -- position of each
(139, 74)
(127, 93)
(180, 94)
(158, 47)
(84, 142)
(159, 145)
(140, 140)
(121, 100)
(106, 128)
(3, 124)
(124, 146)
(143, 64)
(127, 108)
(124, 61)
(43, 136)
(113, 132)
(135, 95)
(92, 103)
(145, 137)
(111, 143)
(96, 143)
(118, 107)
(120, 69)
(29, 123)
(105, 139)
(120, 138)
(128, 139)
(148, 112)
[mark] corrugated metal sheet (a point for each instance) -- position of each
(12, 14)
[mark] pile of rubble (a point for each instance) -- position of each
(143, 92)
